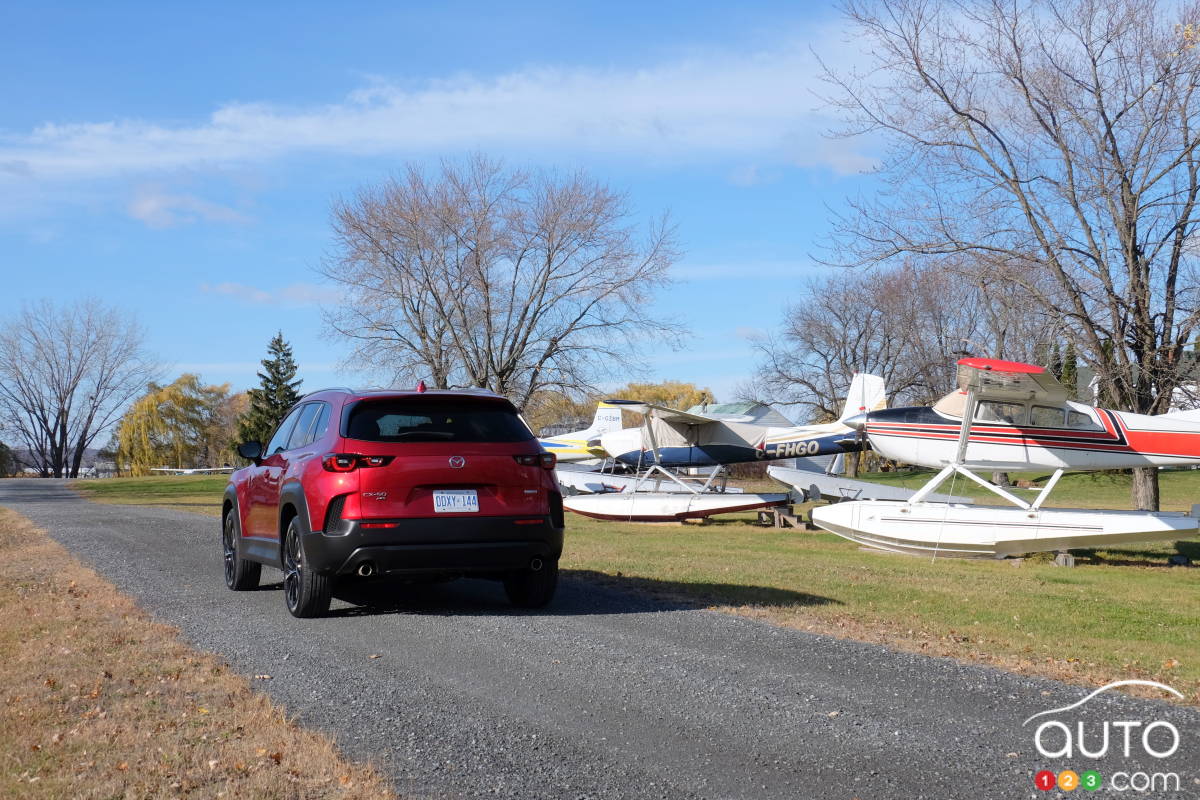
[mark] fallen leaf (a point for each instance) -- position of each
(374, 655)
(277, 757)
(124, 765)
(1171, 663)
(213, 764)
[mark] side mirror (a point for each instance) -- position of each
(251, 451)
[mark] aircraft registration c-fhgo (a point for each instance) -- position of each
(733, 433)
(1006, 416)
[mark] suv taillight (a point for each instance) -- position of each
(348, 462)
(544, 460)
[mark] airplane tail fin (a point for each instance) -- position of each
(608, 418)
(866, 393)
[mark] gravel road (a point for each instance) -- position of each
(606, 694)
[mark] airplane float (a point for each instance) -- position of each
(706, 436)
(1007, 416)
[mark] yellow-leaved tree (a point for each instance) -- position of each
(182, 424)
(674, 394)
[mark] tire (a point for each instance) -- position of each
(527, 588)
(240, 574)
(305, 592)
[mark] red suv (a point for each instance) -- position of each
(395, 483)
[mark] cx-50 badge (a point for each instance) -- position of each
(457, 462)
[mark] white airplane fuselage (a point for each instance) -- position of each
(1032, 437)
(633, 446)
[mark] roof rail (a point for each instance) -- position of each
(327, 389)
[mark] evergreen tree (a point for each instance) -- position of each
(276, 394)
(1056, 361)
(1070, 372)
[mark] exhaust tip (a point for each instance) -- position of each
(366, 569)
(535, 564)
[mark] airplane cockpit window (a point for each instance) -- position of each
(1046, 417)
(1005, 413)
(1082, 421)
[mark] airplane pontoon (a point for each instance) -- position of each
(712, 437)
(1011, 416)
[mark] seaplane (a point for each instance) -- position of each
(574, 446)
(712, 436)
(734, 433)
(1009, 416)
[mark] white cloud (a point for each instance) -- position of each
(749, 333)
(727, 105)
(295, 295)
(161, 209)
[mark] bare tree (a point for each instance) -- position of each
(1055, 133)
(494, 277)
(901, 324)
(65, 375)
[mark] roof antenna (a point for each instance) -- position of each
(421, 386)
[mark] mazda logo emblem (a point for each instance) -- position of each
(457, 462)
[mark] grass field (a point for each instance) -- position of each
(1121, 613)
(199, 493)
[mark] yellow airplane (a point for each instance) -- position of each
(574, 446)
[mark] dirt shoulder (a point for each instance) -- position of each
(99, 700)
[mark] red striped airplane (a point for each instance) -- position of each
(1023, 420)
(1011, 416)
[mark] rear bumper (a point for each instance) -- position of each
(451, 545)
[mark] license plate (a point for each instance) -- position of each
(455, 501)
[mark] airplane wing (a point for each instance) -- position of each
(664, 413)
(993, 379)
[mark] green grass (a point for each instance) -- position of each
(200, 493)
(1121, 613)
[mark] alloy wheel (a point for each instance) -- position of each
(292, 568)
(228, 547)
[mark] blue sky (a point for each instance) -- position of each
(179, 160)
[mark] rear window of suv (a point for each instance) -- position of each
(424, 421)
